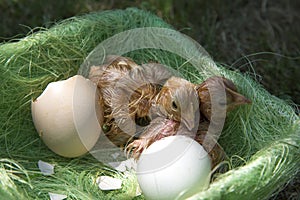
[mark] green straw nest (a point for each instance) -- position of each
(262, 139)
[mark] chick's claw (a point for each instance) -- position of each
(136, 148)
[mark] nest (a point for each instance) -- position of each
(261, 140)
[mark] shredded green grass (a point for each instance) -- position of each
(261, 139)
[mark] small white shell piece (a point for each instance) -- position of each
(54, 196)
(109, 183)
(46, 168)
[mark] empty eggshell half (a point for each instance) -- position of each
(67, 116)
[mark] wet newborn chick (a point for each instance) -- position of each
(127, 91)
(177, 107)
(220, 94)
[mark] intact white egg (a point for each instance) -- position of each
(174, 167)
(67, 116)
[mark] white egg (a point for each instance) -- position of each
(67, 116)
(174, 167)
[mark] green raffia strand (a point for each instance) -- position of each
(262, 139)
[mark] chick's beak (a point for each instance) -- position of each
(237, 99)
(189, 122)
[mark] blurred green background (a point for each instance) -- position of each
(257, 36)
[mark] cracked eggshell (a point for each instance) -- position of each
(67, 116)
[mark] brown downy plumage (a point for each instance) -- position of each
(126, 91)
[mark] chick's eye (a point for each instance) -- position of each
(174, 105)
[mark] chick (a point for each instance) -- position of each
(127, 91)
(177, 106)
(219, 95)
